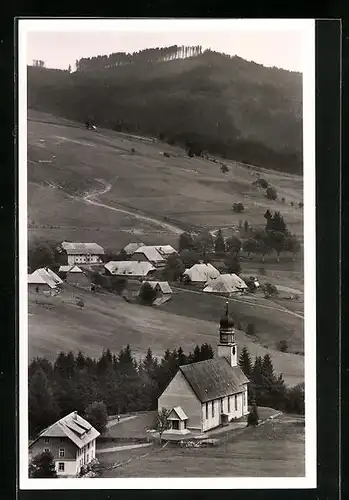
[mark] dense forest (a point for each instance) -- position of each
(73, 382)
(207, 102)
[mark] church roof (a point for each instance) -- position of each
(214, 378)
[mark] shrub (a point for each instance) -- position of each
(80, 303)
(92, 469)
(253, 417)
(133, 150)
(300, 204)
(251, 329)
(263, 183)
(147, 294)
(271, 193)
(283, 199)
(270, 290)
(42, 465)
(238, 207)
(224, 168)
(282, 346)
(166, 154)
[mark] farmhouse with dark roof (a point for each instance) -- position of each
(210, 393)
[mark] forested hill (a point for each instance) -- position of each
(216, 103)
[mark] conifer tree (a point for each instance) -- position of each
(219, 245)
(42, 408)
(245, 362)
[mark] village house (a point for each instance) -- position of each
(132, 247)
(75, 276)
(226, 284)
(209, 393)
(156, 255)
(83, 253)
(44, 281)
(200, 273)
(163, 290)
(132, 269)
(72, 442)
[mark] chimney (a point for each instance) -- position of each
(75, 415)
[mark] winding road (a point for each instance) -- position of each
(92, 198)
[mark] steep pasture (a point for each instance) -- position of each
(191, 192)
(107, 321)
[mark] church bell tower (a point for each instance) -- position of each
(227, 346)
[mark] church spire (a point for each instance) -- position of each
(227, 345)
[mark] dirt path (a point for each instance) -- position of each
(254, 304)
(115, 421)
(123, 448)
(92, 198)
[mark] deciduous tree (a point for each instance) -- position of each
(43, 466)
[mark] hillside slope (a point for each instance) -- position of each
(66, 161)
(107, 321)
(227, 106)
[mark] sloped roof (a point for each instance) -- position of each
(132, 247)
(129, 267)
(225, 283)
(151, 253)
(75, 269)
(82, 248)
(214, 378)
(72, 426)
(45, 276)
(178, 413)
(166, 249)
(164, 286)
(65, 269)
(202, 272)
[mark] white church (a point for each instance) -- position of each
(210, 393)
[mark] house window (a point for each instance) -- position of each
(221, 405)
(212, 409)
(228, 404)
(46, 450)
(236, 402)
(61, 466)
(46, 440)
(206, 411)
(61, 452)
(62, 440)
(87, 458)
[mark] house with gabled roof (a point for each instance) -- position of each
(76, 276)
(131, 269)
(156, 255)
(201, 273)
(72, 442)
(225, 284)
(83, 253)
(208, 393)
(44, 280)
(132, 247)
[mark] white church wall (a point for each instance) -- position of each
(179, 393)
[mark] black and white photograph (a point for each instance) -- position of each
(167, 253)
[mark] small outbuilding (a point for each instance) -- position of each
(77, 277)
(45, 281)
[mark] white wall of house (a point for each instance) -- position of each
(70, 467)
(179, 393)
(83, 259)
